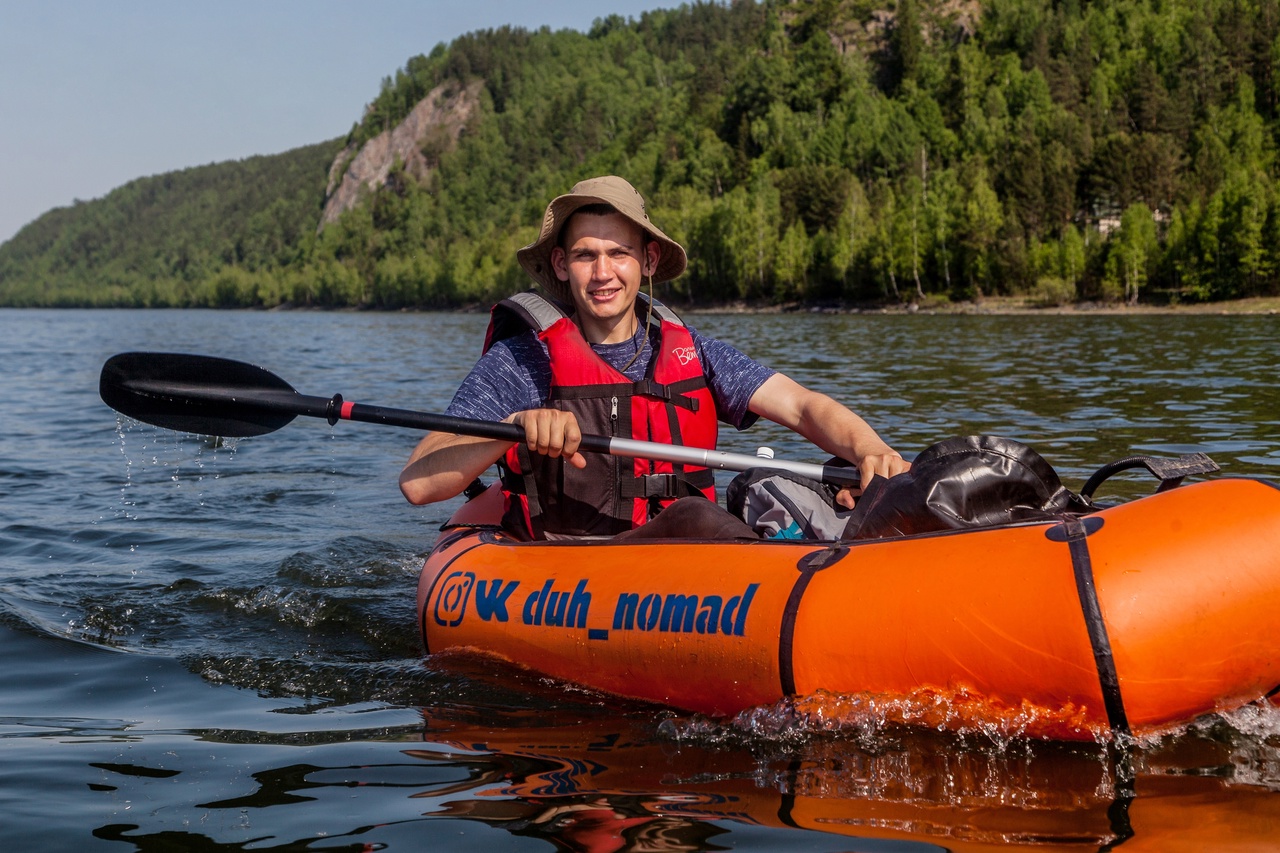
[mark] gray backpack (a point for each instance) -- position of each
(961, 483)
(781, 505)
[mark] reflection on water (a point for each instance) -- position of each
(212, 646)
(615, 784)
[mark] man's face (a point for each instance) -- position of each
(603, 259)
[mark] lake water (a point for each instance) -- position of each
(211, 646)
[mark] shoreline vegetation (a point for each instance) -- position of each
(990, 306)
(1266, 305)
(955, 155)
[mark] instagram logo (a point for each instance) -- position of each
(451, 603)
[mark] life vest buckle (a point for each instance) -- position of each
(650, 388)
(659, 486)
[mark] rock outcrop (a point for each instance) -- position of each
(431, 129)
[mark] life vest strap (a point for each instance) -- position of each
(672, 392)
(667, 485)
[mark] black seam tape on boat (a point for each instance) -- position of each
(809, 564)
(786, 634)
(1077, 533)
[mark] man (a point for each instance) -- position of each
(595, 359)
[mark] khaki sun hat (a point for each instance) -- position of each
(622, 197)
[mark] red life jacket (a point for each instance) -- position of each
(672, 405)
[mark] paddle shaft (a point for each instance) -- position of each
(626, 447)
(214, 396)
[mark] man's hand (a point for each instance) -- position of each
(880, 464)
(553, 433)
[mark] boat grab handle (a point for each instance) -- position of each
(1170, 472)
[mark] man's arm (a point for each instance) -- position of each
(443, 464)
(829, 425)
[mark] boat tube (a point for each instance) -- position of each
(1130, 619)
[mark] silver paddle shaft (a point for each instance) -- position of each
(725, 461)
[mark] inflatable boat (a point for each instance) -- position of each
(1129, 620)
(972, 591)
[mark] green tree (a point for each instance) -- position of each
(906, 42)
(1131, 254)
(791, 264)
(980, 222)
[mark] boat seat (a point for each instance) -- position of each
(691, 518)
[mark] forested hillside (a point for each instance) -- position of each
(812, 151)
(200, 236)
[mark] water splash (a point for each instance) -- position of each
(866, 718)
(1241, 747)
(154, 456)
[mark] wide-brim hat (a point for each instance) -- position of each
(622, 197)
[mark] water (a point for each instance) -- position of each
(211, 645)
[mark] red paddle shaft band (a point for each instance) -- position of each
(339, 409)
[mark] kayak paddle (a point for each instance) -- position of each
(217, 396)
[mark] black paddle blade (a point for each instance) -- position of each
(196, 393)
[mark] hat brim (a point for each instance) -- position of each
(535, 258)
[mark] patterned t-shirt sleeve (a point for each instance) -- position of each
(513, 376)
(733, 377)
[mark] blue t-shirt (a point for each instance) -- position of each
(515, 375)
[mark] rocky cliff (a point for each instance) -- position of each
(431, 129)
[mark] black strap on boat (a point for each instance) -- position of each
(786, 638)
(1075, 532)
(1170, 472)
(808, 565)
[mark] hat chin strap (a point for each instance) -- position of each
(647, 320)
(649, 268)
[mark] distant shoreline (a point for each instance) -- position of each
(988, 306)
(998, 305)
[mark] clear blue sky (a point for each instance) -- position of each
(95, 93)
